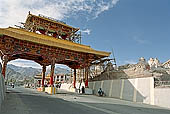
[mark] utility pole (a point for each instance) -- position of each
(114, 59)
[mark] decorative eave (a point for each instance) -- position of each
(22, 34)
(49, 20)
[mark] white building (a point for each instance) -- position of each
(61, 77)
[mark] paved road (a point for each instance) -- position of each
(28, 101)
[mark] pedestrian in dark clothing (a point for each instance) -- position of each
(83, 89)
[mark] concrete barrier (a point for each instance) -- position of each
(78, 89)
(66, 86)
(50, 90)
(136, 90)
(2, 88)
(162, 97)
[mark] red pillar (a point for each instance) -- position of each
(86, 77)
(74, 79)
(4, 64)
(51, 80)
(52, 72)
(43, 75)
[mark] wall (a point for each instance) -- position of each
(162, 97)
(69, 87)
(137, 90)
(2, 87)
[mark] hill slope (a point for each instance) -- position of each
(23, 72)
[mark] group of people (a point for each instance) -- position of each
(100, 91)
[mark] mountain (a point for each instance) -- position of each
(58, 70)
(25, 72)
(13, 74)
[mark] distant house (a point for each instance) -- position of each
(38, 80)
(61, 78)
(166, 64)
(58, 78)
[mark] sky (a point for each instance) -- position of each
(132, 28)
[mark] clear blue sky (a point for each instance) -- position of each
(133, 28)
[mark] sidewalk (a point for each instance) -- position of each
(83, 98)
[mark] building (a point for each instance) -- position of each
(47, 42)
(61, 78)
(166, 64)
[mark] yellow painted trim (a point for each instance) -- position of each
(22, 34)
(51, 88)
(42, 88)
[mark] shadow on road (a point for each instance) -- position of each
(126, 109)
(35, 103)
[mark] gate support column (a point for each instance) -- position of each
(43, 77)
(86, 77)
(4, 64)
(74, 79)
(52, 89)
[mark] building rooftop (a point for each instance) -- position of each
(51, 20)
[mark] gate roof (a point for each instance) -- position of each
(22, 34)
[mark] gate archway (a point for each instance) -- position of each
(46, 50)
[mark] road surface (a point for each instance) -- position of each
(28, 101)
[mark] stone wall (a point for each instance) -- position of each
(2, 87)
(136, 90)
